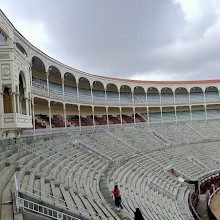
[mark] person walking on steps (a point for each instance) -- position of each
(117, 196)
(138, 215)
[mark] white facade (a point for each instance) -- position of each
(16, 60)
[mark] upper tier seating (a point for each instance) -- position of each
(126, 99)
(153, 99)
(167, 99)
(196, 97)
(212, 97)
(112, 98)
(98, 97)
(140, 99)
(181, 98)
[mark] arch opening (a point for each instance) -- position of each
(7, 100)
(168, 114)
(57, 114)
(41, 113)
(21, 96)
(181, 96)
(167, 96)
(153, 97)
(139, 96)
(114, 115)
(55, 83)
(70, 88)
(100, 115)
(154, 114)
(72, 115)
(112, 94)
(86, 115)
(196, 95)
(127, 115)
(183, 113)
(125, 96)
(85, 91)
(3, 38)
(198, 112)
(98, 93)
(21, 48)
(212, 95)
(39, 78)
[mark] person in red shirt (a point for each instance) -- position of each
(117, 198)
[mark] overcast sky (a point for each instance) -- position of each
(144, 39)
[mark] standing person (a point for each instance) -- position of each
(117, 197)
(138, 215)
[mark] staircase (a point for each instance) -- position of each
(106, 192)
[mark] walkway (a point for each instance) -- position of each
(215, 205)
(104, 188)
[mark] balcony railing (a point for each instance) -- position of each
(15, 120)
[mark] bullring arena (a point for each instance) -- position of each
(67, 137)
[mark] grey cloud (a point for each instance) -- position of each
(125, 38)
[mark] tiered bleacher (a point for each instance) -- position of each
(112, 98)
(64, 171)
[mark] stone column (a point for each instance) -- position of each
(174, 98)
(62, 87)
(132, 95)
(93, 117)
(189, 99)
(175, 113)
(1, 103)
(107, 116)
(79, 118)
(160, 98)
(64, 111)
(49, 114)
(204, 98)
(30, 106)
(91, 95)
(206, 116)
(14, 102)
(146, 98)
(190, 109)
(119, 97)
(120, 116)
(33, 112)
(161, 112)
(106, 101)
(27, 106)
(134, 115)
(148, 117)
(48, 86)
(18, 103)
(77, 89)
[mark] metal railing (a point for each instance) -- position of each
(45, 131)
(191, 203)
(42, 210)
(52, 200)
(91, 150)
(160, 137)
